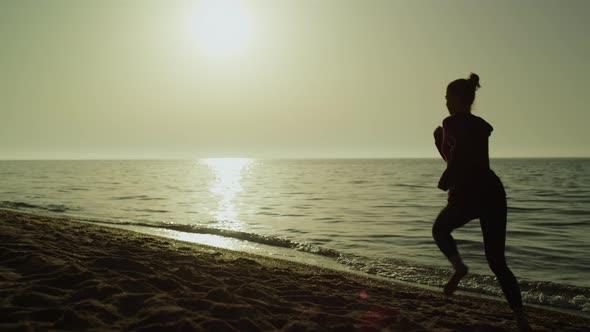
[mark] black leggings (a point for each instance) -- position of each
(492, 217)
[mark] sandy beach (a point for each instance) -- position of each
(58, 274)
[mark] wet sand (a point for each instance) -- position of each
(58, 274)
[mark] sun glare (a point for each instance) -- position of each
(223, 27)
(228, 174)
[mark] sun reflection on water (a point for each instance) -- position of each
(228, 174)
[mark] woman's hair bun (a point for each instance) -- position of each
(474, 80)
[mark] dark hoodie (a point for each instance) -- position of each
(466, 152)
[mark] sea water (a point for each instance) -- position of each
(370, 215)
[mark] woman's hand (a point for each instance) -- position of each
(438, 135)
(438, 141)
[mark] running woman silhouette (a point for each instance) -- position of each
(474, 191)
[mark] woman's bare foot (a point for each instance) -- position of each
(451, 286)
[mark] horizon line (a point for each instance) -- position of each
(272, 158)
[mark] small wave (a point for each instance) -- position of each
(267, 213)
(517, 208)
(563, 223)
(557, 295)
(382, 236)
(23, 205)
(70, 189)
(153, 210)
(137, 197)
(258, 238)
(56, 208)
(533, 292)
(326, 219)
(252, 237)
(407, 185)
(302, 207)
(17, 205)
(573, 212)
(77, 189)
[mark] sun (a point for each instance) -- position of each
(223, 27)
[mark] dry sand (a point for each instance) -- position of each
(58, 274)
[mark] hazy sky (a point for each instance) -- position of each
(278, 78)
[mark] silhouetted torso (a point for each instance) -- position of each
(468, 165)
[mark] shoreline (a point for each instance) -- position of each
(56, 273)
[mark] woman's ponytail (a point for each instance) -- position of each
(474, 80)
